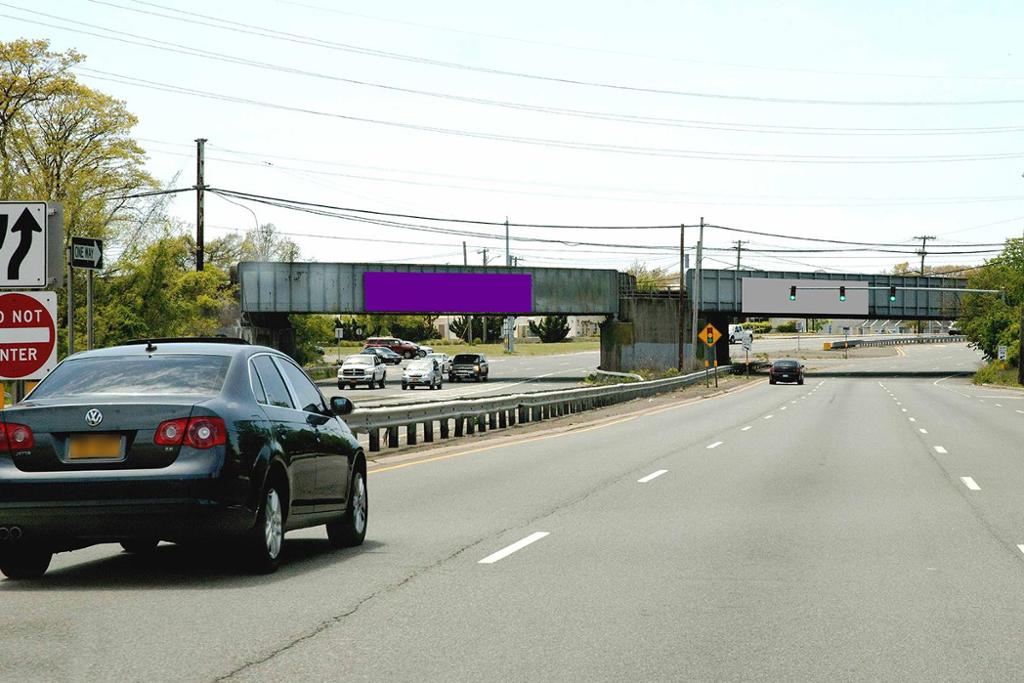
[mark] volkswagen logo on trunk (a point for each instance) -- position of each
(93, 417)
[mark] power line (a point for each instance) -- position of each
(535, 193)
(565, 144)
(623, 53)
(252, 29)
(698, 124)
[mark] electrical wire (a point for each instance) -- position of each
(251, 29)
(563, 144)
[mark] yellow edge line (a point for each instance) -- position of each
(602, 425)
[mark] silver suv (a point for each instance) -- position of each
(422, 372)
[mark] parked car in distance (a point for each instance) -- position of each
(405, 349)
(955, 329)
(384, 353)
(362, 368)
(422, 372)
(786, 370)
(738, 334)
(199, 440)
(425, 350)
(444, 360)
(469, 366)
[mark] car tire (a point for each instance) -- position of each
(771, 380)
(407, 355)
(140, 546)
(383, 381)
(404, 386)
(24, 563)
(350, 529)
(421, 354)
(487, 375)
(262, 548)
(800, 382)
(341, 385)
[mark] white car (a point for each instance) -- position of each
(443, 359)
(362, 368)
(739, 334)
(422, 372)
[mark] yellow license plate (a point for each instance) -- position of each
(94, 446)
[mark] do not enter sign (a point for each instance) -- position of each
(28, 335)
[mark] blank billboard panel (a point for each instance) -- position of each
(764, 296)
(447, 292)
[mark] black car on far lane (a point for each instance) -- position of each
(384, 353)
(176, 440)
(786, 370)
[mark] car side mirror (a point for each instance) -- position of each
(341, 405)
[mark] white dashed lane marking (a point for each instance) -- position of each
(714, 445)
(970, 483)
(940, 449)
(649, 477)
(518, 545)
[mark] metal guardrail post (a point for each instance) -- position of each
(410, 433)
(458, 426)
(393, 436)
(481, 422)
(428, 431)
(374, 440)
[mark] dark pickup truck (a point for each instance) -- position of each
(469, 366)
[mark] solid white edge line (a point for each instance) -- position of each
(714, 445)
(970, 483)
(743, 429)
(768, 417)
(923, 430)
(518, 545)
(940, 449)
(649, 477)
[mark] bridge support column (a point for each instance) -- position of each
(721, 323)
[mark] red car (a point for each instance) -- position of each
(405, 349)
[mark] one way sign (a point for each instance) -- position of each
(87, 252)
(22, 244)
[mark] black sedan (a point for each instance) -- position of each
(176, 440)
(384, 353)
(786, 370)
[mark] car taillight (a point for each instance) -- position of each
(16, 437)
(197, 432)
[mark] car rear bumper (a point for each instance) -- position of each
(68, 514)
(64, 526)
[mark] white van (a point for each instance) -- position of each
(738, 334)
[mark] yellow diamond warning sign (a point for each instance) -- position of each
(710, 335)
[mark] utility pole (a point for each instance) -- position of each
(469, 327)
(695, 300)
(739, 248)
(682, 298)
(200, 186)
(1020, 358)
(70, 290)
(924, 242)
(483, 318)
(510, 320)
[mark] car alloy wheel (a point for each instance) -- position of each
(350, 529)
(273, 524)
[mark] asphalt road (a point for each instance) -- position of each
(848, 529)
(509, 374)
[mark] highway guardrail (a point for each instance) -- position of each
(461, 417)
(894, 341)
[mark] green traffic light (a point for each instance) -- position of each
(792, 298)
(842, 297)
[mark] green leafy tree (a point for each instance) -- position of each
(30, 74)
(991, 320)
(551, 328)
(651, 279)
(494, 323)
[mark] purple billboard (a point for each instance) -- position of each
(447, 292)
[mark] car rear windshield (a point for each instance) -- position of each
(466, 358)
(178, 375)
(786, 364)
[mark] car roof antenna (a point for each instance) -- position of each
(150, 347)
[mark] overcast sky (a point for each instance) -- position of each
(771, 117)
